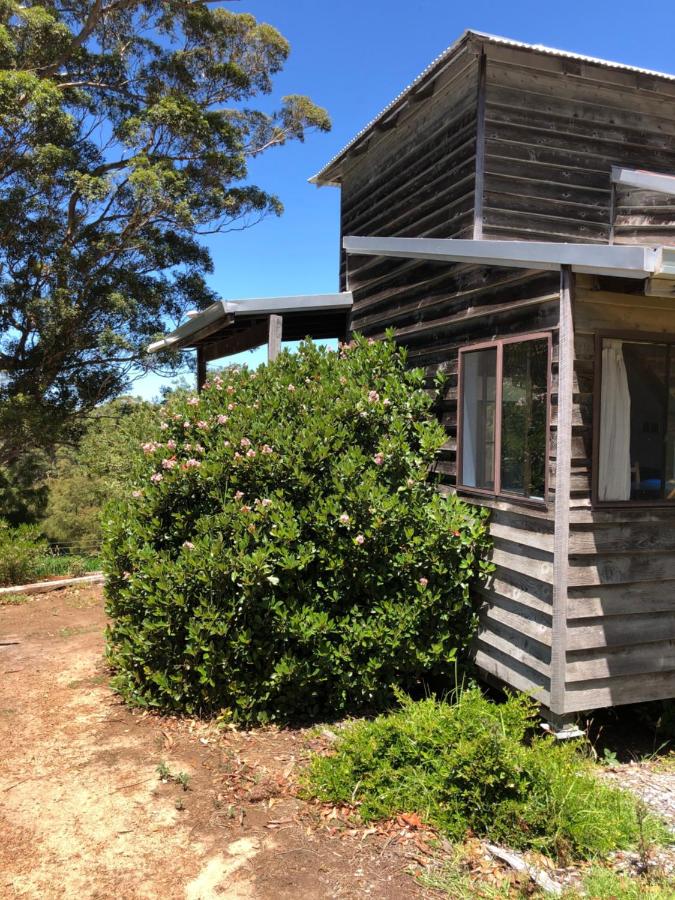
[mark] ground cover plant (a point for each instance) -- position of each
(284, 552)
(21, 549)
(477, 766)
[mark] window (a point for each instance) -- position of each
(504, 417)
(636, 440)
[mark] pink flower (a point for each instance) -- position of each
(193, 401)
(267, 449)
(231, 406)
(344, 519)
(202, 424)
(171, 445)
(192, 464)
(373, 396)
(137, 494)
(177, 417)
(291, 388)
(359, 539)
(187, 447)
(188, 545)
(378, 459)
(246, 509)
(371, 341)
(343, 380)
(230, 389)
(150, 447)
(386, 401)
(222, 419)
(226, 443)
(251, 454)
(265, 502)
(164, 426)
(199, 448)
(410, 482)
(169, 463)
(157, 477)
(237, 455)
(424, 581)
(238, 495)
(245, 442)
(187, 424)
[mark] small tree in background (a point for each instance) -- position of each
(284, 552)
(99, 469)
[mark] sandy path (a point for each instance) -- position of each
(83, 813)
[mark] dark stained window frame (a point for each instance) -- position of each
(498, 344)
(644, 337)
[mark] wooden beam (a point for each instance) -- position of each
(479, 185)
(276, 325)
(561, 538)
(248, 339)
(201, 368)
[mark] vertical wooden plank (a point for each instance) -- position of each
(479, 186)
(201, 368)
(561, 538)
(274, 339)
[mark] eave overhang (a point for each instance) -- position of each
(218, 317)
(613, 260)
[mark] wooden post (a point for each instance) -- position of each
(201, 368)
(561, 539)
(274, 340)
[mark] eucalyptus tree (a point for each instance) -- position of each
(126, 129)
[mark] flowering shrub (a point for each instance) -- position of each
(285, 552)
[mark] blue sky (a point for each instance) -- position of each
(353, 58)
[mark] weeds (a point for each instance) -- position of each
(165, 775)
(476, 765)
(14, 599)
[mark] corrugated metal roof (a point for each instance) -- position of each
(321, 177)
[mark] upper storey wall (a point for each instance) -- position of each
(553, 129)
(417, 177)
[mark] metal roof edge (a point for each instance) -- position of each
(322, 177)
(224, 309)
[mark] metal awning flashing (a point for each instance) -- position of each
(659, 183)
(617, 260)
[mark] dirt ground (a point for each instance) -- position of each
(85, 814)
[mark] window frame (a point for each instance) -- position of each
(498, 345)
(639, 337)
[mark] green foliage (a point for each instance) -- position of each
(603, 884)
(21, 549)
(98, 470)
(474, 764)
(285, 553)
(126, 130)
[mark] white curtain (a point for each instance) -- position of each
(615, 464)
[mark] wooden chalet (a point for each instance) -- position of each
(511, 215)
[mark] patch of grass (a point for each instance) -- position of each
(14, 599)
(50, 564)
(455, 879)
(603, 884)
(476, 765)
(74, 630)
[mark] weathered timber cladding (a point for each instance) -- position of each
(621, 607)
(552, 134)
(510, 143)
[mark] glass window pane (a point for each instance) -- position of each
(524, 416)
(647, 374)
(670, 430)
(479, 371)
